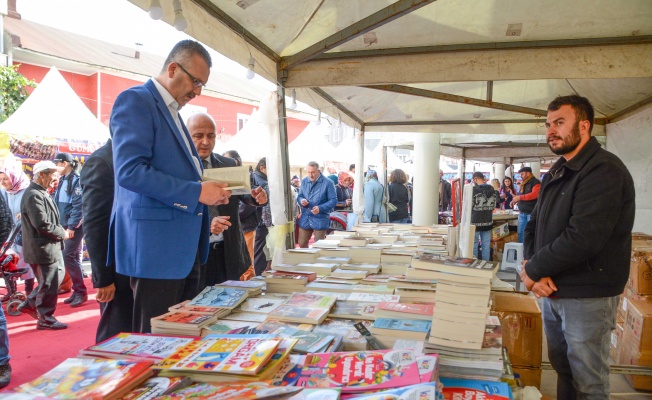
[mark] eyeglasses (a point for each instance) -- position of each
(195, 82)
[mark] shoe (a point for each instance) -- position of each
(85, 274)
(63, 291)
(5, 375)
(70, 299)
(55, 326)
(25, 308)
(79, 301)
(5, 298)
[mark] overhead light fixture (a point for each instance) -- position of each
(318, 120)
(180, 22)
(155, 9)
(250, 68)
(293, 103)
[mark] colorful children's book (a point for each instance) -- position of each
(317, 394)
(289, 373)
(79, 378)
(422, 391)
(214, 296)
(237, 355)
(308, 342)
(138, 346)
(303, 308)
(233, 391)
(473, 389)
(185, 308)
(360, 371)
(158, 386)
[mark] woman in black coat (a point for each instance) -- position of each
(399, 196)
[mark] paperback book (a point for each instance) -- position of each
(406, 310)
(353, 310)
(183, 307)
(214, 296)
(138, 346)
(405, 328)
(455, 265)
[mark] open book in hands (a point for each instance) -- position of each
(237, 178)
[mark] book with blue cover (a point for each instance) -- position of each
(405, 328)
(473, 389)
(214, 296)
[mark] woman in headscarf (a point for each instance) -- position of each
(344, 191)
(373, 199)
(14, 181)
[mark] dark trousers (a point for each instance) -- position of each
(44, 299)
(117, 315)
(153, 297)
(214, 271)
(72, 257)
(260, 258)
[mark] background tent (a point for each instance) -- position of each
(54, 112)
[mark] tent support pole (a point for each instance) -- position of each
(285, 156)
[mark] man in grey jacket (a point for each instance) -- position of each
(43, 238)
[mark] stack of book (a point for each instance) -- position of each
(185, 307)
(404, 310)
(326, 244)
(354, 242)
(413, 290)
(321, 269)
(296, 256)
(303, 308)
(371, 268)
(181, 323)
(353, 310)
(388, 330)
(462, 298)
(369, 254)
(223, 297)
(287, 281)
(253, 287)
(137, 347)
(85, 378)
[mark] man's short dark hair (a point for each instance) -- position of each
(581, 105)
(261, 163)
(184, 50)
(480, 175)
(351, 167)
(234, 155)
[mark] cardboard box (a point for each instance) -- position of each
(616, 346)
(628, 295)
(499, 231)
(522, 326)
(499, 245)
(631, 356)
(638, 325)
(640, 269)
(529, 376)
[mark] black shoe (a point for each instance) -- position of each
(79, 301)
(5, 375)
(70, 299)
(85, 274)
(25, 308)
(55, 326)
(63, 291)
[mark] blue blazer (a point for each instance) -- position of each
(158, 226)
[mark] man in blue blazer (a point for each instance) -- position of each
(159, 223)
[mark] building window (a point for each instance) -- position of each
(242, 121)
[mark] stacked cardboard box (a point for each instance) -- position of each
(631, 341)
(499, 245)
(520, 317)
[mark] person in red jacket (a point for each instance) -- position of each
(527, 199)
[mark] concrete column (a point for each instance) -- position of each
(426, 182)
(536, 169)
(499, 172)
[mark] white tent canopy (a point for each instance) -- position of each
(54, 111)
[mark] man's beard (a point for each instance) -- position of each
(568, 143)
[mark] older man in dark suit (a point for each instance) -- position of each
(228, 257)
(113, 290)
(43, 238)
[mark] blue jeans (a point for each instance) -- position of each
(399, 221)
(578, 333)
(72, 259)
(483, 237)
(4, 339)
(522, 221)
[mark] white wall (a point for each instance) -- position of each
(631, 140)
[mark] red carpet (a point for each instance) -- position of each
(35, 352)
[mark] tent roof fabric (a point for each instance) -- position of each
(54, 111)
(443, 66)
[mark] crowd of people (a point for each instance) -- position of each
(157, 233)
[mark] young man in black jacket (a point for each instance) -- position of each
(577, 249)
(484, 202)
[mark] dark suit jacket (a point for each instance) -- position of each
(97, 180)
(236, 255)
(446, 193)
(42, 231)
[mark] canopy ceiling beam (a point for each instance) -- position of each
(495, 46)
(456, 122)
(431, 94)
(622, 114)
(339, 106)
(217, 13)
(593, 62)
(375, 20)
